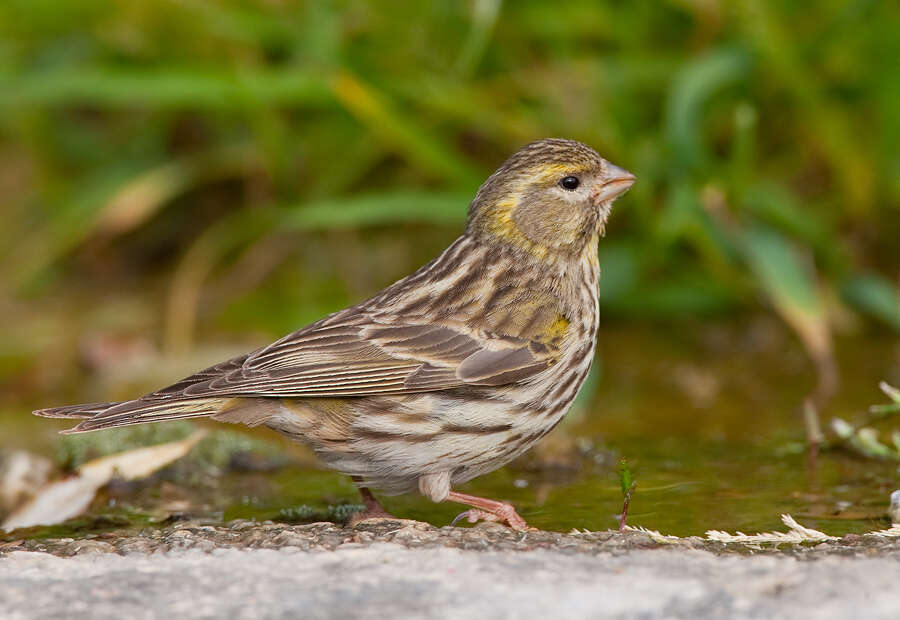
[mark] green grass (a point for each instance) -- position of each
(190, 155)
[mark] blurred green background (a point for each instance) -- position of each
(184, 180)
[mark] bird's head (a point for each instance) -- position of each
(551, 198)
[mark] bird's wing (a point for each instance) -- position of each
(363, 356)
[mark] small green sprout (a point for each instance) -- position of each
(627, 483)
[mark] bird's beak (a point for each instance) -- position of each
(617, 182)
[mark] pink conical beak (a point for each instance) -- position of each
(618, 182)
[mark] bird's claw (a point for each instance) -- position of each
(474, 515)
(510, 517)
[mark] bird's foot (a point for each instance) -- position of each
(488, 510)
(474, 515)
(374, 509)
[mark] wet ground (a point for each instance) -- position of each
(708, 417)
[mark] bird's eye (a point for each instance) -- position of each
(570, 183)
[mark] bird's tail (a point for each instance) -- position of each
(98, 416)
(81, 412)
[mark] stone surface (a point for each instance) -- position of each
(389, 580)
(394, 568)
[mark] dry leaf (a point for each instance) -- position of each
(68, 498)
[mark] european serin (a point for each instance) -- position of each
(447, 374)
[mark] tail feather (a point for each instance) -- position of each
(98, 416)
(87, 410)
(146, 411)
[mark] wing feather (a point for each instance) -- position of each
(362, 356)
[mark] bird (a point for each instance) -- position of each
(450, 372)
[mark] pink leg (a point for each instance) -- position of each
(488, 510)
(374, 509)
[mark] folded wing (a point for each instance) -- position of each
(356, 356)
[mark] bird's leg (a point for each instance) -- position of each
(488, 510)
(373, 506)
(374, 509)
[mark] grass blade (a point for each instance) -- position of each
(791, 286)
(875, 296)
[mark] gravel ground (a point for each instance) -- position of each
(407, 569)
(327, 536)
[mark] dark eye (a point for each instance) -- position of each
(570, 183)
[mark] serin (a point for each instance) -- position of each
(447, 374)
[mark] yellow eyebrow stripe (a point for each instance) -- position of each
(546, 172)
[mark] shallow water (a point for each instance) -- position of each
(707, 416)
